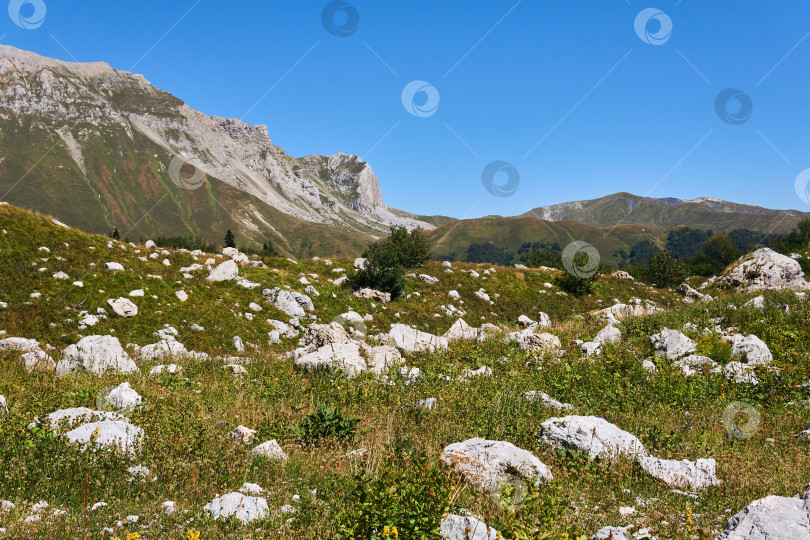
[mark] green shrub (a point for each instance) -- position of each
(325, 423)
(406, 498)
(386, 261)
(578, 286)
(663, 270)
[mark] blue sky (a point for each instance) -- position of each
(610, 111)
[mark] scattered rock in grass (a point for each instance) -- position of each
(740, 373)
(428, 403)
(292, 303)
(771, 518)
(751, 350)
(243, 434)
(114, 266)
(455, 527)
(122, 397)
(691, 295)
(97, 355)
(491, 464)
(138, 473)
(162, 368)
(243, 507)
(169, 507)
(123, 307)
(3, 405)
(37, 360)
(595, 436)
(613, 533)
(345, 357)
(320, 335)
(251, 489)
(693, 474)
(117, 434)
(545, 399)
(672, 344)
(410, 339)
(225, 271)
(383, 297)
(461, 330)
(270, 450)
(693, 364)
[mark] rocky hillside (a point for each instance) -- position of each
(101, 148)
(150, 393)
(663, 214)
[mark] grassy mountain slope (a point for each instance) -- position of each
(400, 481)
(456, 237)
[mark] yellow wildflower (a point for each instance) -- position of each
(192, 535)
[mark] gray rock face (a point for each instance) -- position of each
(462, 330)
(410, 339)
(226, 271)
(751, 350)
(528, 340)
(37, 360)
(97, 355)
(271, 450)
(595, 436)
(771, 518)
(692, 474)
(162, 350)
(672, 344)
(243, 507)
(740, 373)
(292, 303)
(608, 334)
(491, 464)
(123, 397)
(383, 358)
(767, 269)
(454, 527)
(545, 399)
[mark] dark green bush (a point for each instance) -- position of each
(386, 261)
(325, 423)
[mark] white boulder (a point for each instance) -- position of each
(491, 464)
(595, 436)
(243, 507)
(672, 344)
(97, 355)
(692, 474)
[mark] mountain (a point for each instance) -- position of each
(100, 148)
(666, 213)
(453, 239)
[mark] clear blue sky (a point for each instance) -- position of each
(614, 113)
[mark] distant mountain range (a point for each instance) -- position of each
(100, 148)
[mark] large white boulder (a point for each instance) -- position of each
(383, 358)
(462, 330)
(693, 364)
(410, 339)
(243, 507)
(318, 335)
(530, 341)
(18, 344)
(692, 474)
(595, 436)
(767, 269)
(672, 344)
(292, 303)
(162, 350)
(771, 518)
(226, 271)
(114, 434)
(37, 360)
(455, 527)
(97, 355)
(491, 464)
(73, 416)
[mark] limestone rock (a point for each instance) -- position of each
(116, 434)
(545, 399)
(97, 355)
(243, 434)
(123, 397)
(345, 357)
(226, 271)
(318, 335)
(595, 436)
(692, 474)
(771, 518)
(672, 344)
(383, 297)
(410, 339)
(123, 307)
(270, 450)
(490, 464)
(243, 507)
(455, 527)
(693, 364)
(292, 303)
(767, 269)
(751, 350)
(691, 295)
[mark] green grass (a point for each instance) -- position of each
(400, 482)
